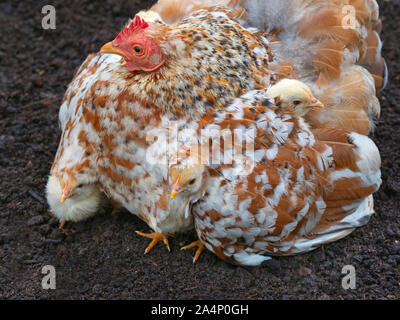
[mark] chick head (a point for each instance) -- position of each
(186, 180)
(73, 198)
(295, 95)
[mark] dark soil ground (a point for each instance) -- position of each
(102, 258)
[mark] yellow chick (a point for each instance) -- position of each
(73, 200)
(295, 94)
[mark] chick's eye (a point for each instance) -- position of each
(138, 50)
(192, 181)
(296, 102)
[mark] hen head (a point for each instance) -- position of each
(185, 69)
(295, 95)
(136, 46)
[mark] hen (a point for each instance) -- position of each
(298, 189)
(172, 73)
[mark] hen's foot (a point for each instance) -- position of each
(156, 236)
(200, 248)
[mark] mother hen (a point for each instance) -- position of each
(200, 61)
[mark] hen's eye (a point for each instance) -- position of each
(192, 181)
(138, 50)
(296, 102)
(80, 185)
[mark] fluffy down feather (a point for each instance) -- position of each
(84, 203)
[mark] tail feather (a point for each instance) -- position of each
(350, 203)
(351, 102)
(374, 62)
(332, 45)
(340, 227)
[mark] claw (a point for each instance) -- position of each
(200, 248)
(156, 237)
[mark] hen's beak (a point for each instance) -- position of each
(109, 47)
(176, 188)
(66, 194)
(315, 103)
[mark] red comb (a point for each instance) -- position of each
(138, 23)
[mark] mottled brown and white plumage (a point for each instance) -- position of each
(332, 45)
(200, 62)
(113, 112)
(72, 190)
(300, 189)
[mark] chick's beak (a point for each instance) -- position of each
(66, 194)
(109, 47)
(315, 103)
(176, 188)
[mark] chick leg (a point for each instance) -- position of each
(61, 227)
(156, 237)
(200, 248)
(62, 224)
(116, 207)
